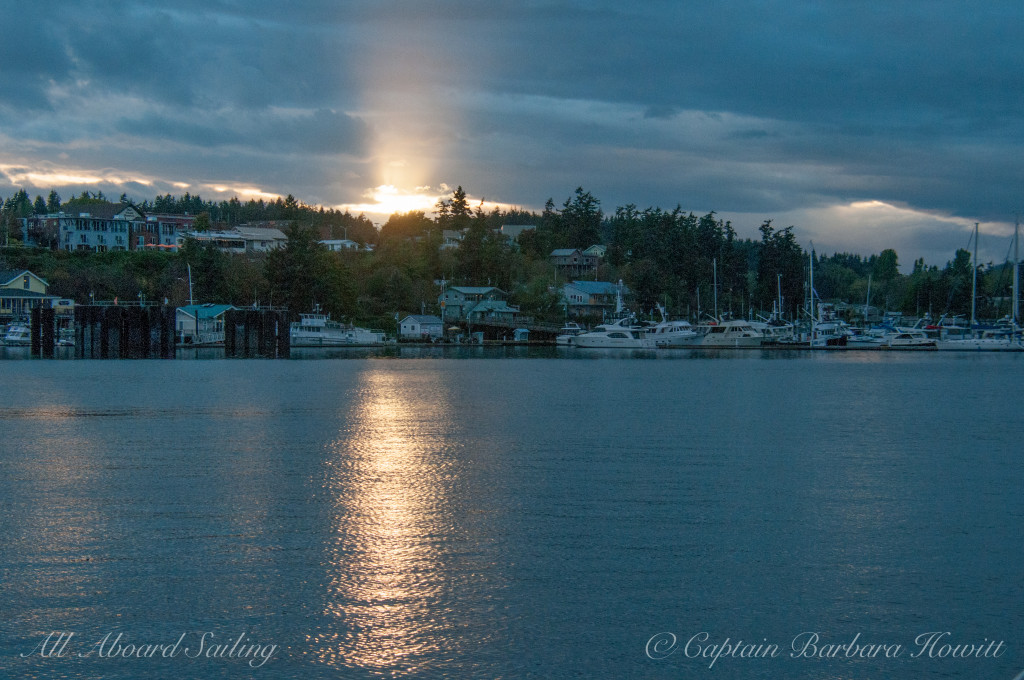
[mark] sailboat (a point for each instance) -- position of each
(1008, 340)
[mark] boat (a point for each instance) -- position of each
(318, 330)
(1007, 340)
(671, 333)
(828, 330)
(872, 338)
(732, 333)
(622, 334)
(567, 334)
(910, 340)
(18, 335)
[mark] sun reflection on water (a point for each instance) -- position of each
(387, 479)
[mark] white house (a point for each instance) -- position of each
(339, 244)
(421, 327)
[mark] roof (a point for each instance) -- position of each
(514, 230)
(103, 211)
(597, 249)
(261, 233)
(207, 311)
(475, 290)
(492, 306)
(24, 294)
(563, 252)
(422, 318)
(9, 275)
(597, 287)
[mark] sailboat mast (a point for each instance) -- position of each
(778, 285)
(867, 302)
(813, 320)
(714, 279)
(974, 278)
(1016, 272)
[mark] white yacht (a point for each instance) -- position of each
(567, 335)
(669, 333)
(18, 335)
(990, 341)
(678, 333)
(909, 339)
(622, 334)
(318, 330)
(734, 333)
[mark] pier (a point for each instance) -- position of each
(257, 333)
(115, 332)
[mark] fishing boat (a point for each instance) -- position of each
(319, 330)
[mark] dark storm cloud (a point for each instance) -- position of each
(317, 132)
(743, 106)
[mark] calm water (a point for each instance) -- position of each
(512, 517)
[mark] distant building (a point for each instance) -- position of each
(513, 231)
(492, 311)
(573, 261)
(241, 239)
(421, 327)
(21, 291)
(339, 244)
(163, 232)
(591, 298)
(94, 227)
(200, 324)
(452, 239)
(476, 303)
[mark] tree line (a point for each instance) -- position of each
(683, 261)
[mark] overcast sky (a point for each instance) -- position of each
(864, 124)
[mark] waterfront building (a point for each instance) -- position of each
(201, 324)
(21, 291)
(489, 303)
(591, 298)
(421, 327)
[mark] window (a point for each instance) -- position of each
(25, 281)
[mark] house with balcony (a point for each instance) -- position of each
(163, 232)
(476, 303)
(21, 291)
(595, 299)
(96, 227)
(572, 262)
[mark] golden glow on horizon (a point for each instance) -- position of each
(387, 199)
(243, 191)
